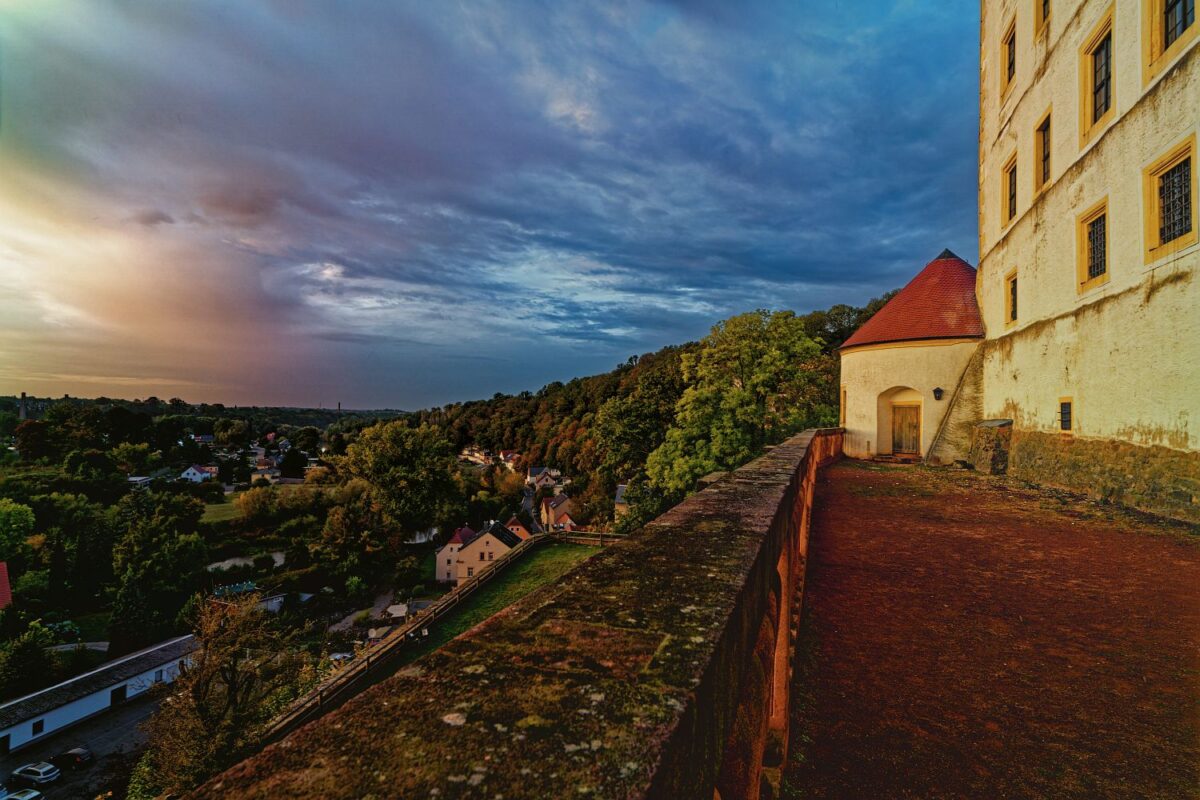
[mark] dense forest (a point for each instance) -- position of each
(602, 430)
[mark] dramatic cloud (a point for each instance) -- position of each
(398, 204)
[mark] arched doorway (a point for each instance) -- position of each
(899, 416)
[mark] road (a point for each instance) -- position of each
(113, 737)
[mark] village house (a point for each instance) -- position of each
(447, 556)
(198, 474)
(1071, 357)
(516, 526)
(35, 716)
(479, 552)
(542, 477)
(468, 553)
(556, 513)
(509, 458)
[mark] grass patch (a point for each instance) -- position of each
(543, 566)
(220, 512)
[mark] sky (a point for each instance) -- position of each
(403, 204)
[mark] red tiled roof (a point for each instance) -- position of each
(5, 588)
(461, 535)
(937, 304)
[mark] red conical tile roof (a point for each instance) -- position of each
(937, 304)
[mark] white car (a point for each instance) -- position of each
(35, 774)
(25, 794)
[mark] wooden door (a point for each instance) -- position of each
(906, 429)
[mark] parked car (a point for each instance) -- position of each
(35, 774)
(26, 794)
(75, 759)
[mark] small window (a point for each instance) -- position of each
(470, 572)
(1008, 49)
(481, 555)
(39, 725)
(1168, 27)
(1041, 15)
(489, 555)
(1097, 247)
(1178, 16)
(1041, 152)
(1066, 421)
(1170, 196)
(1102, 78)
(1009, 201)
(447, 562)
(158, 676)
(1010, 298)
(842, 411)
(1096, 79)
(1092, 256)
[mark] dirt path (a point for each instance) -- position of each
(964, 637)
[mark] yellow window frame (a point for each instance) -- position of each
(1082, 282)
(1006, 175)
(1010, 34)
(1040, 185)
(1089, 129)
(1152, 207)
(1039, 21)
(1009, 319)
(1156, 57)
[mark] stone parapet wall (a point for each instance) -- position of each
(1158, 479)
(660, 668)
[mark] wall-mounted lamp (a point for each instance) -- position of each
(938, 392)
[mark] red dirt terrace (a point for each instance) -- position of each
(971, 637)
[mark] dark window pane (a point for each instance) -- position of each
(1096, 247)
(1045, 10)
(1175, 202)
(1101, 78)
(1044, 134)
(1064, 416)
(1012, 193)
(1178, 17)
(1012, 56)
(1012, 299)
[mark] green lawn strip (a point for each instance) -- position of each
(220, 512)
(544, 565)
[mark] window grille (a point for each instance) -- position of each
(1096, 247)
(1175, 202)
(1064, 416)
(1011, 44)
(1012, 299)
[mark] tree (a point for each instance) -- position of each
(33, 440)
(16, 525)
(24, 663)
(746, 389)
(231, 432)
(292, 464)
(240, 675)
(411, 472)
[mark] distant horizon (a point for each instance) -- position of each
(406, 205)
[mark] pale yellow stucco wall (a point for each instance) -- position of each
(1128, 351)
(876, 375)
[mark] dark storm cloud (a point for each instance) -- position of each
(512, 182)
